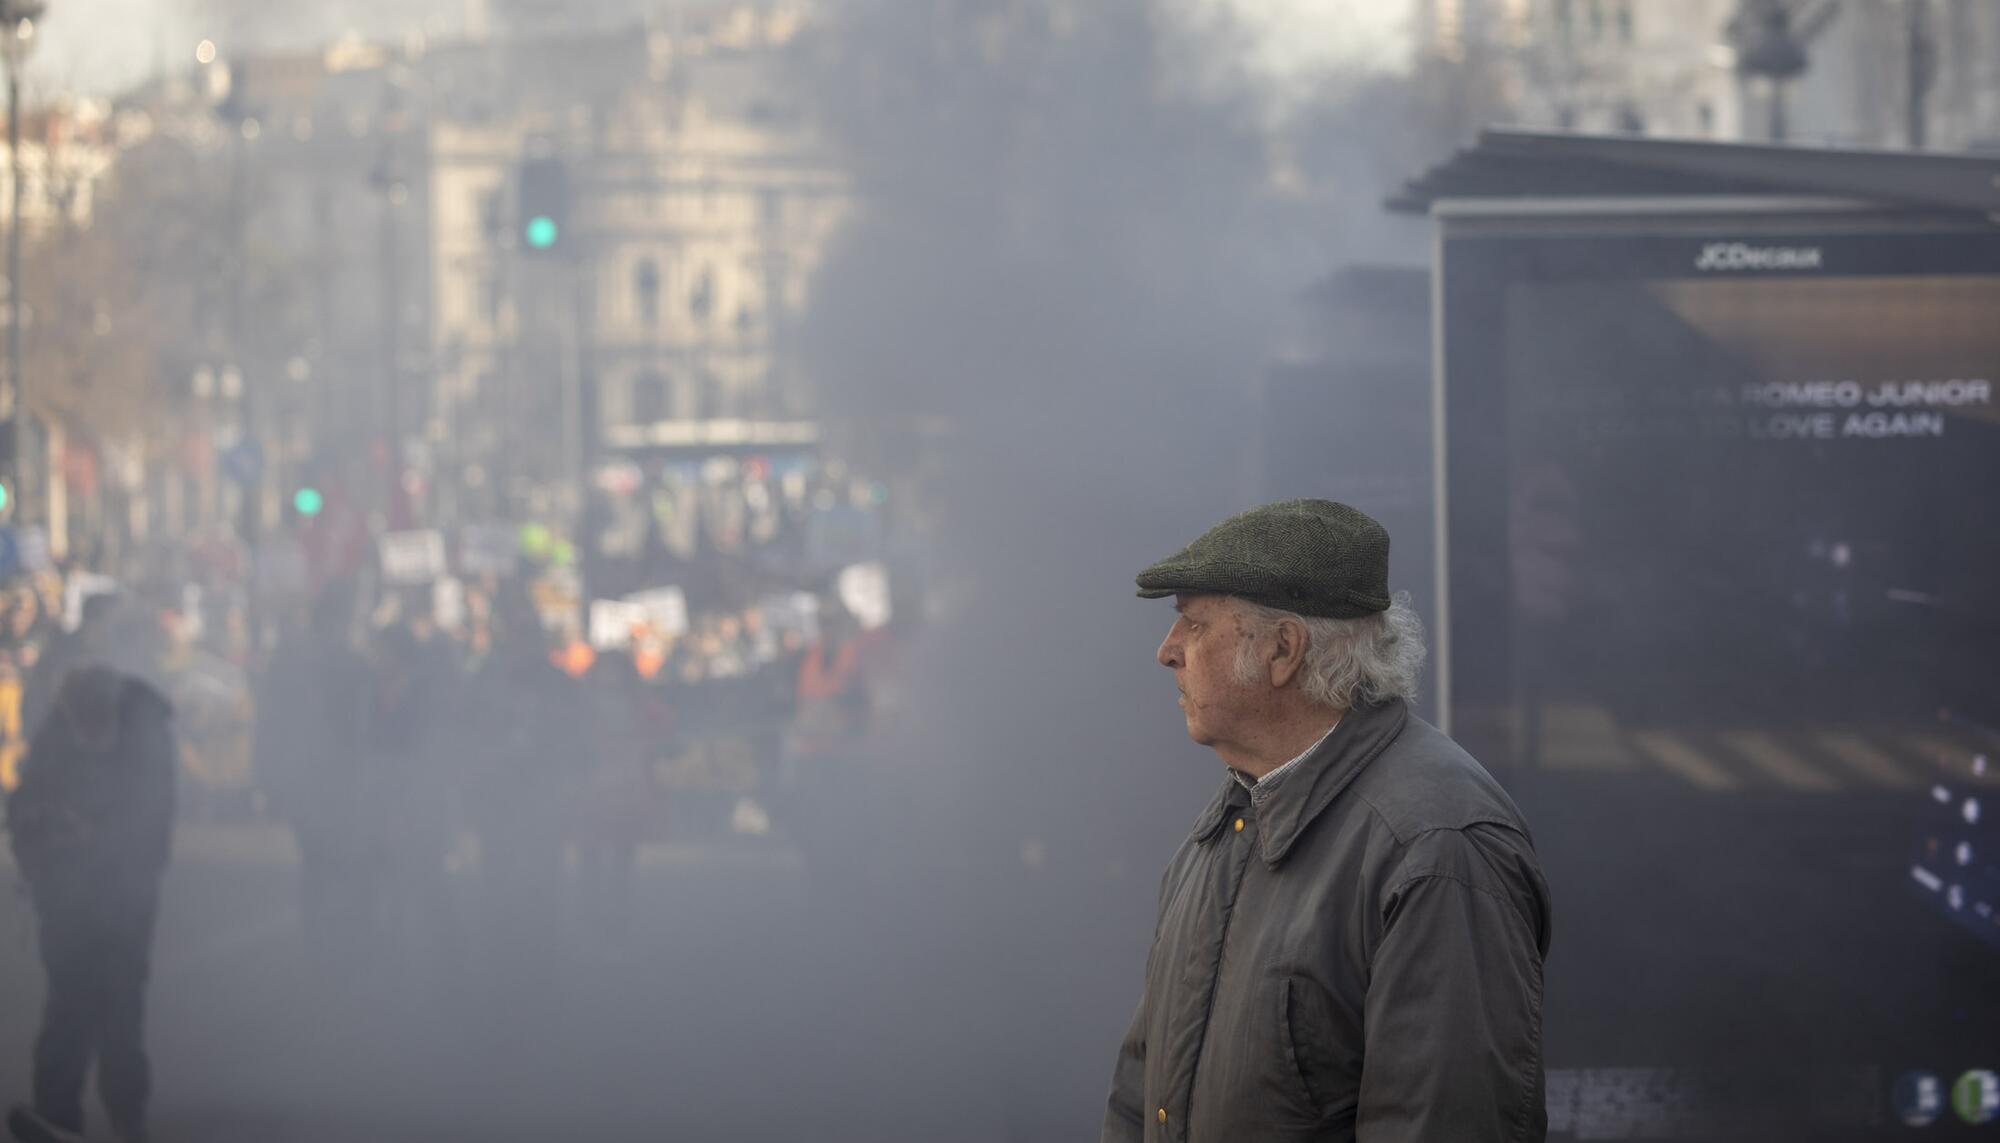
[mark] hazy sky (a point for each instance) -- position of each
(1302, 36)
(102, 46)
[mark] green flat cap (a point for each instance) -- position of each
(1313, 557)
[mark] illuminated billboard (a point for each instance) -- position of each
(1722, 562)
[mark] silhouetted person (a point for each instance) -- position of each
(408, 805)
(521, 790)
(91, 826)
(618, 805)
(91, 642)
(311, 713)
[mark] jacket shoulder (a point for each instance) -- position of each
(1423, 781)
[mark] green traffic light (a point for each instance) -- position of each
(3, 498)
(541, 232)
(308, 501)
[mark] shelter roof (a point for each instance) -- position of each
(1508, 164)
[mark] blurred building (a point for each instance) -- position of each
(1860, 88)
(1646, 67)
(695, 201)
(328, 148)
(67, 150)
(81, 363)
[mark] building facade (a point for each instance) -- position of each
(1880, 74)
(696, 203)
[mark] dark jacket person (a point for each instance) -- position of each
(91, 824)
(1350, 940)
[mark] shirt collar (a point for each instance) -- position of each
(1270, 781)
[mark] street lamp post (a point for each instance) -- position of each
(1921, 64)
(392, 179)
(1770, 38)
(388, 178)
(17, 31)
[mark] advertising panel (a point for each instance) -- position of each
(1724, 578)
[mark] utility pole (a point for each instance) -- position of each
(17, 32)
(1769, 39)
(252, 460)
(390, 178)
(1921, 67)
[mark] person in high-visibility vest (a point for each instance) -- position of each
(12, 745)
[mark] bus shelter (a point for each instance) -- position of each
(1719, 597)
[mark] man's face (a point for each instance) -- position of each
(1201, 650)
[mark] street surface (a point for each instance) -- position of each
(738, 1008)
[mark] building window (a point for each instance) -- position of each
(650, 399)
(1626, 30)
(1596, 19)
(1630, 121)
(701, 299)
(1704, 117)
(646, 292)
(491, 296)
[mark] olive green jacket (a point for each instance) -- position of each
(1351, 952)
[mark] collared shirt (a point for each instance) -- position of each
(1272, 779)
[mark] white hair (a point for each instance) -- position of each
(1349, 662)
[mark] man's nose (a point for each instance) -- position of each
(1169, 653)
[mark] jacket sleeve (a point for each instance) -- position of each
(1453, 1012)
(1124, 1122)
(1125, 1116)
(29, 820)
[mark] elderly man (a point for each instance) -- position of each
(1350, 941)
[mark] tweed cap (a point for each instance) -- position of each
(1313, 557)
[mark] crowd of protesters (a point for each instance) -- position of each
(400, 750)
(465, 782)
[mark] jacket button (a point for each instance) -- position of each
(1239, 825)
(1163, 1115)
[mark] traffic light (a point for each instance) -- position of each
(5, 498)
(543, 199)
(308, 501)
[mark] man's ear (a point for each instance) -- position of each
(1288, 651)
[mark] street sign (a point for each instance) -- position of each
(612, 622)
(412, 558)
(82, 587)
(864, 589)
(665, 608)
(10, 552)
(448, 609)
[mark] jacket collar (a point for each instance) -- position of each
(1284, 811)
(1226, 800)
